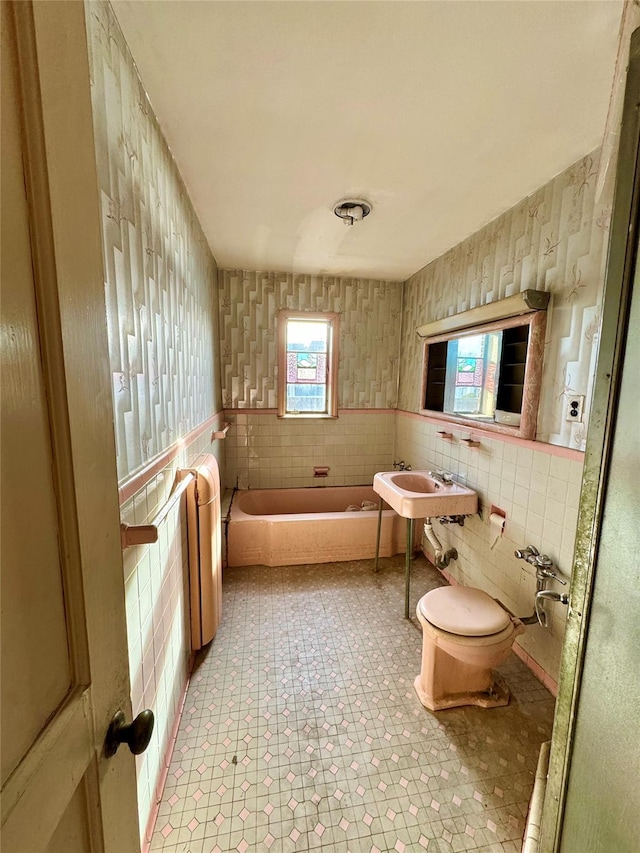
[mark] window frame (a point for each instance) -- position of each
(332, 320)
(532, 375)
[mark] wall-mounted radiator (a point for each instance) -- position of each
(205, 552)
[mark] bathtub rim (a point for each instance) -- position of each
(237, 514)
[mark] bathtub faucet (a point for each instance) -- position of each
(402, 465)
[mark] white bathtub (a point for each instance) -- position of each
(286, 527)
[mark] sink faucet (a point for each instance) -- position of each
(402, 465)
(443, 477)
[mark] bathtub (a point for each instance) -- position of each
(287, 527)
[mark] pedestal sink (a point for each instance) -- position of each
(417, 494)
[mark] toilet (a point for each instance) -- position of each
(465, 634)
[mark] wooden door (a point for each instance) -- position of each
(64, 658)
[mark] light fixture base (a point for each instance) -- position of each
(352, 210)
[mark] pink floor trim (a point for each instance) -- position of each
(162, 781)
(537, 670)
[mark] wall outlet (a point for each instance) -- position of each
(575, 408)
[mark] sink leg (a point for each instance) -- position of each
(407, 567)
(375, 565)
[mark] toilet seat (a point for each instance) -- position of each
(464, 611)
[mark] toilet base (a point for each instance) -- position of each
(497, 696)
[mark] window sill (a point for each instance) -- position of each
(307, 416)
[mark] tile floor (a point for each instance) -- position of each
(302, 731)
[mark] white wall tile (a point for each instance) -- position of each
(355, 448)
(541, 516)
(157, 622)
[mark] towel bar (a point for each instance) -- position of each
(470, 442)
(221, 433)
(147, 534)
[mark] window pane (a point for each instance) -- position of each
(471, 377)
(307, 367)
(306, 398)
(307, 364)
(307, 335)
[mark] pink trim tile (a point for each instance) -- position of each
(228, 412)
(540, 446)
(136, 482)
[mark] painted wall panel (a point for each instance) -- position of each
(160, 273)
(554, 240)
(369, 335)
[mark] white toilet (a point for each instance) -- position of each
(465, 634)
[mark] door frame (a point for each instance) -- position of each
(625, 227)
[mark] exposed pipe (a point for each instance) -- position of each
(442, 557)
(544, 572)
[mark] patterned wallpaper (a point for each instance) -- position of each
(369, 334)
(161, 275)
(554, 240)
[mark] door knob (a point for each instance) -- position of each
(136, 734)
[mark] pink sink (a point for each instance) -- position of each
(415, 494)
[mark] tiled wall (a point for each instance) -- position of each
(160, 273)
(264, 451)
(554, 240)
(156, 590)
(539, 494)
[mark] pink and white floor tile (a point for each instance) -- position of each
(302, 731)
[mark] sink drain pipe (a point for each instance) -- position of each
(442, 557)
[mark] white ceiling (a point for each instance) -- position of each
(442, 114)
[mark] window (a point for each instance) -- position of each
(487, 375)
(307, 364)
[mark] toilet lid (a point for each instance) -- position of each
(464, 611)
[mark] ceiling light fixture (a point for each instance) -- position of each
(352, 210)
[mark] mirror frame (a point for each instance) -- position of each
(536, 321)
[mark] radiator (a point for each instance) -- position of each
(205, 552)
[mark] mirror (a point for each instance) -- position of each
(488, 376)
